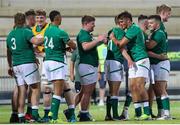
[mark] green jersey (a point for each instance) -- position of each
(55, 40)
(18, 42)
(90, 56)
(160, 38)
(102, 52)
(114, 52)
(76, 59)
(136, 45)
(162, 27)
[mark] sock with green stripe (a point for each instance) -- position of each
(138, 111)
(29, 109)
(114, 103)
(159, 106)
(146, 107)
(166, 105)
(55, 107)
(108, 106)
(35, 113)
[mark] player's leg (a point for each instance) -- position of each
(102, 87)
(69, 96)
(114, 94)
(47, 94)
(14, 104)
(28, 115)
(151, 98)
(32, 78)
(55, 74)
(88, 75)
(125, 115)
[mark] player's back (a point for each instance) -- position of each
(18, 41)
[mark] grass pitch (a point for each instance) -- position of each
(98, 113)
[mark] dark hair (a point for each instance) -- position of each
(53, 14)
(161, 8)
(156, 17)
(142, 17)
(19, 19)
(124, 14)
(87, 19)
(116, 20)
(40, 12)
(30, 12)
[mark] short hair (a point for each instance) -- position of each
(53, 14)
(87, 19)
(156, 17)
(19, 19)
(162, 7)
(125, 14)
(30, 12)
(40, 12)
(142, 17)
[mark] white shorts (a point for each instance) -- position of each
(54, 70)
(113, 70)
(88, 74)
(161, 71)
(140, 69)
(44, 79)
(26, 74)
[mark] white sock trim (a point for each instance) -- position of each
(21, 115)
(47, 108)
(57, 97)
(35, 107)
(84, 111)
(71, 106)
(145, 104)
(114, 97)
(137, 105)
(164, 97)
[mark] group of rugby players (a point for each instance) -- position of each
(143, 46)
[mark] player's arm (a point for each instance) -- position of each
(9, 60)
(89, 45)
(127, 57)
(120, 43)
(71, 44)
(151, 44)
(72, 65)
(158, 56)
(37, 40)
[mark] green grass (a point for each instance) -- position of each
(98, 113)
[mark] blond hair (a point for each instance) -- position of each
(162, 8)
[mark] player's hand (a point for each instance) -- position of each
(10, 72)
(102, 38)
(68, 49)
(164, 56)
(130, 63)
(112, 37)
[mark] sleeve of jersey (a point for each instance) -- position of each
(28, 34)
(65, 37)
(157, 37)
(131, 33)
(84, 38)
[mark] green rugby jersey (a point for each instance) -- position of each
(90, 56)
(114, 52)
(162, 27)
(55, 40)
(160, 38)
(18, 42)
(136, 45)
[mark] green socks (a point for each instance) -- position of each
(108, 106)
(114, 103)
(138, 111)
(55, 106)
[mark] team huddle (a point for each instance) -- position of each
(144, 46)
